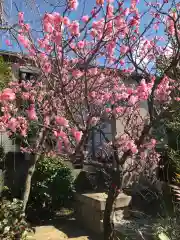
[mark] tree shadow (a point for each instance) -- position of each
(65, 222)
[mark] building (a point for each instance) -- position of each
(21, 69)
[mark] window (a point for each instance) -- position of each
(99, 137)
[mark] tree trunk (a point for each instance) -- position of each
(80, 150)
(27, 187)
(114, 188)
(108, 213)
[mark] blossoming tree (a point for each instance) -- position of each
(85, 66)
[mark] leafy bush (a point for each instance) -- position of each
(168, 227)
(5, 73)
(12, 221)
(52, 184)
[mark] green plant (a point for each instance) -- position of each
(12, 220)
(167, 228)
(52, 184)
(5, 73)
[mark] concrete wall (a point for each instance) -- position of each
(98, 140)
(7, 143)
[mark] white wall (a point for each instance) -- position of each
(7, 143)
(119, 122)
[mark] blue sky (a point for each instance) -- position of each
(32, 15)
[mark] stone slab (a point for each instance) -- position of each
(98, 200)
(90, 209)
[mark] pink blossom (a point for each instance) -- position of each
(133, 99)
(25, 149)
(133, 3)
(74, 28)
(73, 4)
(99, 2)
(47, 67)
(81, 44)
(85, 18)
(57, 19)
(92, 94)
(26, 27)
(144, 90)
(77, 134)
(23, 40)
(122, 62)
(119, 109)
(107, 96)
(12, 124)
(48, 27)
(57, 37)
(31, 112)
(47, 120)
(43, 57)
(7, 95)
(134, 149)
(66, 21)
(72, 45)
(63, 136)
(94, 120)
(94, 33)
(62, 121)
(124, 49)
(163, 90)
(93, 71)
(21, 17)
(126, 11)
(108, 110)
(110, 10)
(110, 48)
(77, 73)
(153, 142)
(8, 43)
(25, 95)
(49, 18)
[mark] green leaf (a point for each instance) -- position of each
(163, 236)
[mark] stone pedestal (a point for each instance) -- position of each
(90, 209)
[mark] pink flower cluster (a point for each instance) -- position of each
(19, 125)
(31, 112)
(125, 143)
(164, 89)
(73, 4)
(7, 95)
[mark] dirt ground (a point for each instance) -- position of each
(60, 230)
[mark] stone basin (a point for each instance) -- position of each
(90, 209)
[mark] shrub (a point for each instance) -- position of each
(52, 184)
(168, 227)
(12, 222)
(5, 73)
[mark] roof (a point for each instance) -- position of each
(13, 54)
(30, 69)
